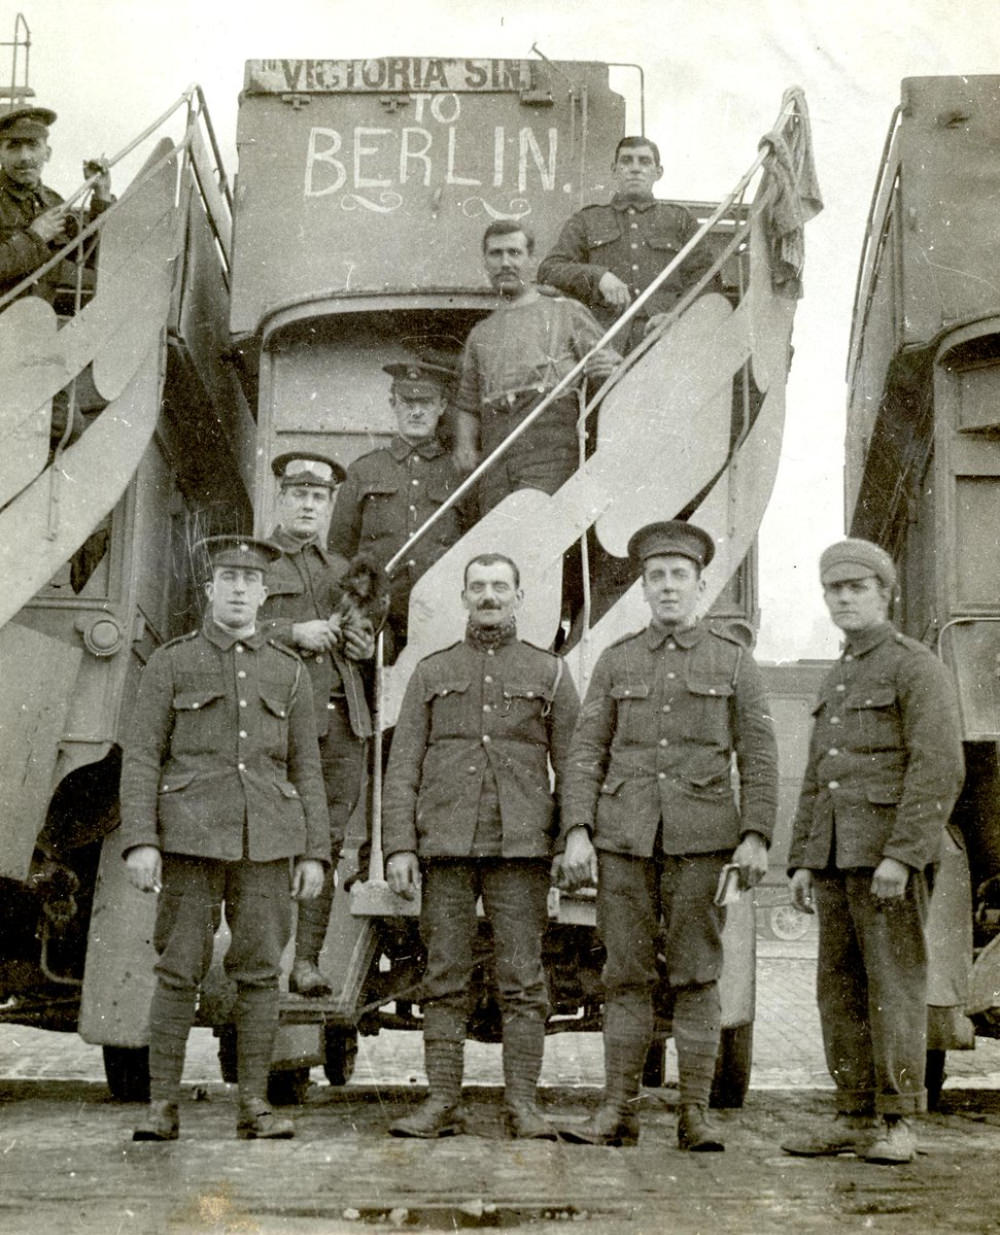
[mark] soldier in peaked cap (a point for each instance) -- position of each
(305, 610)
(222, 802)
(885, 768)
(648, 810)
(33, 221)
(391, 492)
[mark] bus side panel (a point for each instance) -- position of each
(38, 673)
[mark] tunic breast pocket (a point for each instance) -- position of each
(634, 714)
(275, 705)
(710, 712)
(449, 703)
(873, 717)
(524, 706)
(380, 515)
(199, 718)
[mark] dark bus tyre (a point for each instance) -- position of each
(288, 1087)
(340, 1054)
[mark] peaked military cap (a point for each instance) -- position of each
(302, 467)
(242, 551)
(672, 536)
(854, 559)
(26, 122)
(426, 376)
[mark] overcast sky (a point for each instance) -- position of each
(715, 70)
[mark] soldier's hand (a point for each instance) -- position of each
(102, 184)
(890, 879)
(50, 226)
(359, 641)
(801, 888)
(314, 636)
(579, 862)
(307, 879)
(654, 323)
(601, 365)
(466, 459)
(750, 855)
(144, 867)
(402, 873)
(613, 291)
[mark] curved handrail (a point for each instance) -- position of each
(723, 208)
(193, 99)
(881, 179)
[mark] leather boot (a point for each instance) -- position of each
(628, 1028)
(694, 1132)
(308, 979)
(846, 1133)
(256, 1121)
(523, 1047)
(438, 1115)
(160, 1122)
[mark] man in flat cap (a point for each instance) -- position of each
(33, 220)
(304, 610)
(649, 811)
(391, 492)
(884, 771)
(470, 810)
(607, 255)
(222, 802)
(512, 359)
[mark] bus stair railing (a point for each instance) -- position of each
(757, 343)
(54, 490)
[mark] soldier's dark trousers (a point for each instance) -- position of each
(871, 987)
(515, 900)
(342, 756)
(257, 903)
(633, 895)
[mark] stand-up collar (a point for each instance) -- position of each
(430, 448)
(292, 545)
(867, 640)
(225, 639)
(683, 636)
(621, 202)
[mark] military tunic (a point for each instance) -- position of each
(302, 587)
(649, 775)
(21, 250)
(634, 240)
(469, 790)
(387, 495)
(221, 765)
(884, 771)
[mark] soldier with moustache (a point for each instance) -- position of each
(469, 811)
(303, 610)
(649, 813)
(884, 771)
(222, 803)
(606, 255)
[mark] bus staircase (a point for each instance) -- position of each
(667, 445)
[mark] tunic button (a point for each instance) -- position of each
(661, 776)
(486, 707)
(848, 656)
(488, 678)
(671, 647)
(415, 481)
(411, 563)
(841, 687)
(666, 707)
(241, 673)
(413, 510)
(489, 651)
(635, 267)
(243, 733)
(241, 767)
(319, 659)
(331, 707)
(664, 742)
(634, 245)
(472, 770)
(243, 703)
(671, 675)
(239, 647)
(486, 737)
(834, 720)
(195, 706)
(833, 751)
(833, 784)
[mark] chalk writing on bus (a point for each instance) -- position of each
(405, 73)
